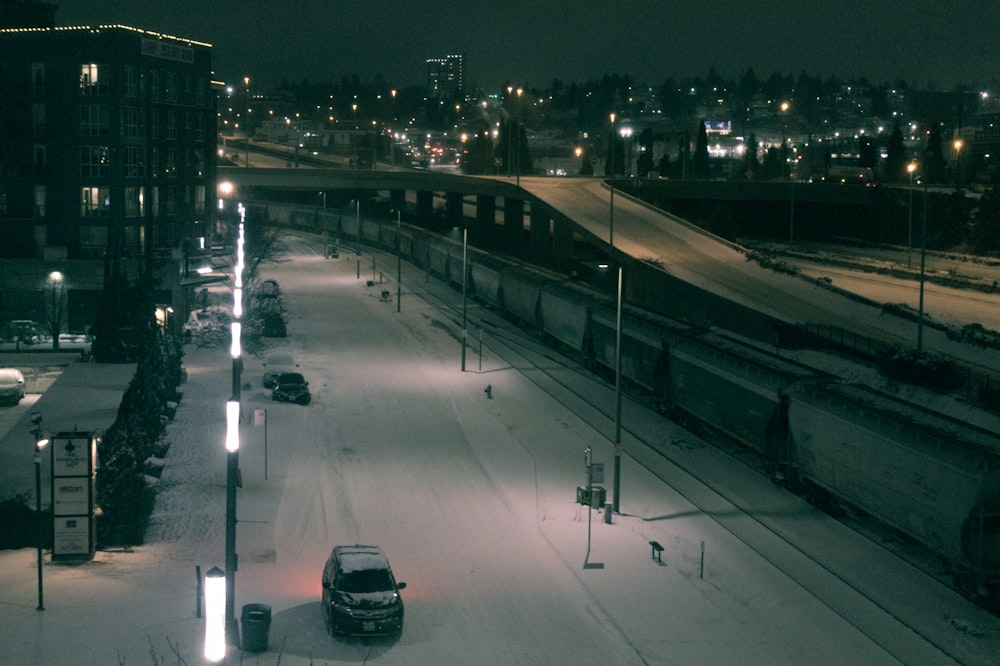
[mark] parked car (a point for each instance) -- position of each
(360, 594)
(11, 385)
(276, 364)
(291, 387)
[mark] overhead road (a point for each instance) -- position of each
(645, 234)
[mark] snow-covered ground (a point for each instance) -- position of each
(473, 499)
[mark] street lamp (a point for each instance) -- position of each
(611, 172)
(517, 146)
(215, 615)
(399, 259)
(465, 300)
(232, 443)
(41, 441)
(616, 496)
(923, 256)
(910, 168)
(54, 306)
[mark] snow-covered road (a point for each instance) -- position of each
(473, 500)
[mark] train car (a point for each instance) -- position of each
(487, 281)
(644, 346)
(371, 232)
(735, 389)
(437, 257)
(565, 316)
(522, 291)
(929, 476)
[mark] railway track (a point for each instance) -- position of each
(592, 399)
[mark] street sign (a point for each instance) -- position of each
(597, 472)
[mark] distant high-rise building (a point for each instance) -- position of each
(445, 76)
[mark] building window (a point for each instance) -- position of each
(199, 162)
(131, 81)
(154, 162)
(172, 125)
(132, 199)
(95, 201)
(131, 117)
(200, 95)
(199, 198)
(154, 204)
(95, 120)
(170, 168)
(40, 196)
(93, 79)
(38, 124)
(41, 156)
(94, 161)
(171, 91)
(171, 203)
(154, 85)
(133, 162)
(199, 126)
(38, 79)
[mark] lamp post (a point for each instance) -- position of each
(616, 493)
(399, 260)
(41, 441)
(923, 256)
(465, 272)
(54, 306)
(246, 121)
(215, 615)
(910, 168)
(233, 442)
(611, 172)
(784, 168)
(517, 146)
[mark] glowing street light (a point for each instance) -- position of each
(910, 168)
(215, 615)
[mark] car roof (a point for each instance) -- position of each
(11, 372)
(360, 558)
(285, 377)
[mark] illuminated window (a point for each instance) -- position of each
(95, 201)
(132, 198)
(93, 80)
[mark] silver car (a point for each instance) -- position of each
(11, 385)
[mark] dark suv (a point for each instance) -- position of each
(360, 594)
(291, 387)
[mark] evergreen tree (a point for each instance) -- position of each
(753, 162)
(985, 232)
(700, 166)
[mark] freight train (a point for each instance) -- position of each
(930, 477)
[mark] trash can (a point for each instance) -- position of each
(256, 627)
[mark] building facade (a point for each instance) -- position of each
(108, 137)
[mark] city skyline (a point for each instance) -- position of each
(928, 44)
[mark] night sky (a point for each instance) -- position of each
(928, 43)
